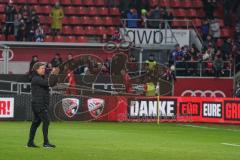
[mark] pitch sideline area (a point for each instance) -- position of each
(123, 141)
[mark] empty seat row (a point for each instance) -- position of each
(69, 39)
(79, 10)
(74, 10)
(89, 30)
(177, 3)
(49, 38)
(63, 2)
(188, 13)
(197, 22)
(84, 20)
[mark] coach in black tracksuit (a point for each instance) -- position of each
(40, 101)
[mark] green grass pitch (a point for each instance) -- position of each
(122, 141)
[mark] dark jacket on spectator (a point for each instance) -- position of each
(56, 62)
(10, 12)
(226, 49)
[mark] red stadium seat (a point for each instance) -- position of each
(2, 18)
(103, 11)
(38, 9)
(178, 23)
(48, 20)
(78, 30)
(65, 20)
(21, 1)
(225, 32)
(59, 39)
(66, 2)
(46, 9)
(71, 39)
(108, 21)
(48, 38)
(180, 13)
(100, 3)
(197, 22)
(111, 30)
(221, 22)
(197, 4)
(33, 1)
(82, 39)
(2, 7)
(97, 20)
(90, 30)
(74, 20)
(11, 38)
(42, 19)
(2, 37)
(85, 20)
(164, 3)
(114, 11)
(44, 2)
(53, 1)
(88, 2)
(117, 21)
(77, 2)
(92, 11)
(47, 29)
(81, 10)
(176, 4)
(101, 30)
(67, 30)
(219, 42)
(70, 10)
(218, 13)
(192, 13)
(153, 3)
(200, 13)
(187, 4)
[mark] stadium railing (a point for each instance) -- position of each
(201, 69)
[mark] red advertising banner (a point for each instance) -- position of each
(203, 87)
(6, 107)
(173, 109)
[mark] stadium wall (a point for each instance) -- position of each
(131, 109)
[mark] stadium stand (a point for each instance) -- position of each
(84, 17)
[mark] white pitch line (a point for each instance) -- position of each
(230, 144)
(212, 128)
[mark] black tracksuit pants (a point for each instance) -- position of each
(39, 116)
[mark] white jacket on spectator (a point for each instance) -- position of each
(215, 29)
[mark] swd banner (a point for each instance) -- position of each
(142, 36)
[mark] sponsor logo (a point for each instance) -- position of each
(212, 110)
(189, 108)
(95, 106)
(149, 108)
(70, 106)
(6, 107)
(200, 93)
(232, 110)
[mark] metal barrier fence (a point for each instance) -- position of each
(202, 69)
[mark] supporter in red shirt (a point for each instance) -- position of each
(126, 80)
(72, 83)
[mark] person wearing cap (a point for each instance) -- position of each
(10, 12)
(40, 102)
